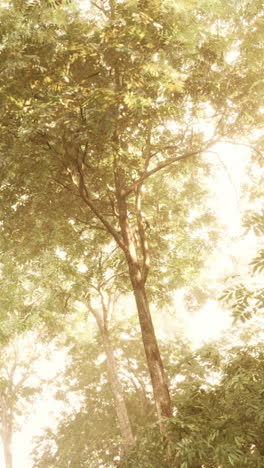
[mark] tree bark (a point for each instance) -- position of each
(6, 432)
(153, 357)
(7, 451)
(155, 365)
(120, 404)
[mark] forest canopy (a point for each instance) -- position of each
(111, 119)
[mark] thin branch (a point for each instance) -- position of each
(116, 275)
(158, 168)
(228, 175)
(258, 152)
(103, 220)
(109, 255)
(105, 309)
(148, 146)
(87, 199)
(214, 139)
(89, 225)
(142, 236)
(98, 317)
(96, 226)
(164, 164)
(101, 8)
(112, 202)
(67, 187)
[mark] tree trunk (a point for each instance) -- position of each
(6, 436)
(120, 405)
(6, 430)
(7, 452)
(155, 365)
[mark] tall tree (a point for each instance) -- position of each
(105, 289)
(100, 108)
(91, 431)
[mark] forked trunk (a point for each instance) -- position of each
(136, 274)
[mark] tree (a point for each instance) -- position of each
(90, 434)
(107, 294)
(127, 78)
(49, 285)
(18, 386)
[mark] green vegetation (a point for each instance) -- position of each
(109, 121)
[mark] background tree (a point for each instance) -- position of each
(106, 290)
(18, 386)
(92, 433)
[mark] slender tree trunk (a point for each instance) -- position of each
(120, 404)
(7, 451)
(155, 365)
(6, 434)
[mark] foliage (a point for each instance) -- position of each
(58, 97)
(90, 112)
(151, 77)
(218, 402)
(91, 433)
(19, 385)
(34, 294)
(56, 83)
(245, 297)
(216, 424)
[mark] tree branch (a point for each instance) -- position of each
(87, 199)
(166, 163)
(158, 168)
(142, 236)
(242, 144)
(148, 146)
(98, 317)
(101, 8)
